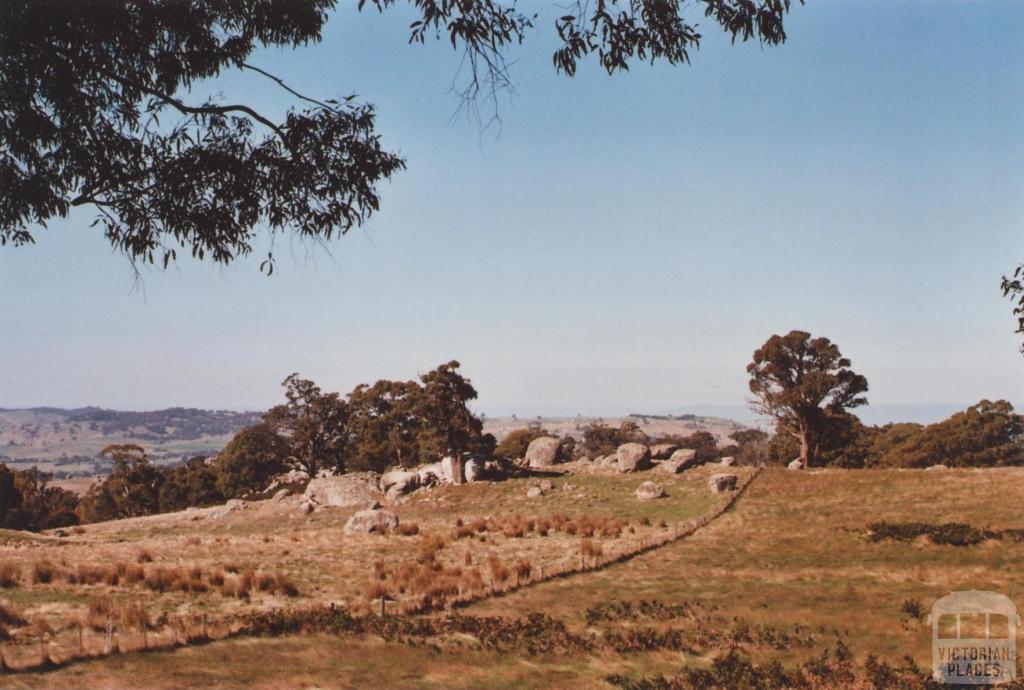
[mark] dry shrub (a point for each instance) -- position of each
(407, 529)
(645, 521)
(376, 590)
(232, 567)
(162, 579)
(464, 532)
(10, 615)
(135, 615)
(429, 548)
(87, 574)
(43, 572)
(662, 523)
(194, 541)
(266, 582)
(499, 572)
(380, 569)
(590, 549)
(286, 586)
(543, 527)
(144, 556)
(246, 581)
(523, 568)
(10, 575)
(229, 587)
(133, 573)
(459, 522)
(217, 578)
(468, 559)
(100, 610)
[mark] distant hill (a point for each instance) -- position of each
(68, 442)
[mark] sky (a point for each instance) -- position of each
(622, 244)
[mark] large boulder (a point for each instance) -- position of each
(649, 491)
(344, 491)
(371, 521)
(720, 483)
(728, 461)
(680, 461)
(475, 469)
(633, 457)
(542, 452)
(663, 451)
(399, 482)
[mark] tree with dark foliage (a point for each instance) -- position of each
(314, 424)
(450, 426)
(27, 501)
(131, 489)
(251, 460)
(97, 109)
(802, 382)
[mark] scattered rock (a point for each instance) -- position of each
(542, 452)
(306, 507)
(280, 495)
(720, 483)
(649, 491)
(344, 491)
(795, 465)
(534, 492)
(728, 461)
(936, 467)
(398, 482)
(371, 521)
(663, 451)
(681, 460)
(546, 485)
(474, 470)
(584, 458)
(567, 487)
(633, 457)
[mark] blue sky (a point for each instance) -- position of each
(624, 244)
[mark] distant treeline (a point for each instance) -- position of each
(988, 434)
(388, 424)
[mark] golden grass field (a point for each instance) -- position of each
(784, 574)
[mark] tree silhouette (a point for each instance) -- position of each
(96, 109)
(802, 382)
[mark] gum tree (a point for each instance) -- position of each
(802, 382)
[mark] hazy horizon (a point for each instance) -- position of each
(870, 414)
(861, 181)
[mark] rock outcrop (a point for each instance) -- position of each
(720, 483)
(663, 451)
(543, 452)
(649, 491)
(633, 457)
(371, 522)
(343, 491)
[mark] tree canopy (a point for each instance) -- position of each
(97, 109)
(804, 383)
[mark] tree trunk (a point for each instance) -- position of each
(805, 448)
(458, 468)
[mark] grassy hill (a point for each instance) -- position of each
(67, 442)
(789, 571)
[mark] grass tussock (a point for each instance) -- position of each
(10, 575)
